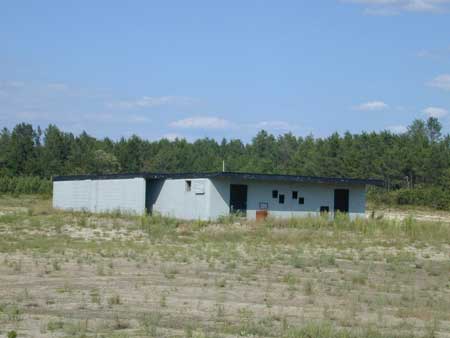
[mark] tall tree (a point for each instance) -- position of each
(22, 153)
(5, 148)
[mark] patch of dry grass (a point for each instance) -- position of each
(111, 275)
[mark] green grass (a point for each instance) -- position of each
(325, 330)
(367, 264)
(309, 229)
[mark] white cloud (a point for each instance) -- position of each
(12, 84)
(92, 118)
(138, 119)
(397, 129)
(441, 81)
(393, 7)
(372, 106)
(275, 125)
(152, 101)
(15, 84)
(201, 122)
(435, 112)
(376, 11)
(434, 53)
(424, 53)
(114, 118)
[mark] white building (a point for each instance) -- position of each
(207, 196)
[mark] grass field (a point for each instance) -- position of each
(83, 275)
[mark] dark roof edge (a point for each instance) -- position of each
(239, 175)
(305, 179)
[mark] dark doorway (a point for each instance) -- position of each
(341, 200)
(148, 196)
(238, 199)
(152, 190)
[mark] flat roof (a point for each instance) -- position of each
(226, 174)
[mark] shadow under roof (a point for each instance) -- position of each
(233, 175)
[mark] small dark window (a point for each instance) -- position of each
(324, 209)
(188, 185)
(274, 193)
(281, 199)
(294, 195)
(301, 200)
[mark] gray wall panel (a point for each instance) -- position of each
(125, 195)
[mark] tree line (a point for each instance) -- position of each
(416, 159)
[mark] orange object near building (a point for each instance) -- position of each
(261, 215)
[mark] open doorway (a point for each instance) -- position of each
(238, 199)
(152, 189)
(341, 200)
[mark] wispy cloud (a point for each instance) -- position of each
(397, 129)
(104, 118)
(202, 122)
(138, 119)
(34, 91)
(435, 112)
(275, 125)
(371, 106)
(441, 81)
(57, 86)
(14, 84)
(152, 101)
(394, 7)
(434, 53)
(116, 118)
(424, 53)
(8, 85)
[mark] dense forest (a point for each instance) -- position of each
(415, 165)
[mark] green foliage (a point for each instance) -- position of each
(415, 165)
(25, 185)
(157, 225)
(428, 196)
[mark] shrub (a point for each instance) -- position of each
(25, 185)
(431, 196)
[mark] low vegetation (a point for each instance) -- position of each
(426, 196)
(17, 185)
(65, 274)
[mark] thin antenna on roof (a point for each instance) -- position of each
(223, 166)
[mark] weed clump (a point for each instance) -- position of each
(114, 300)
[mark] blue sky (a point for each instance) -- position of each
(224, 69)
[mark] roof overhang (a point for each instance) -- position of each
(229, 175)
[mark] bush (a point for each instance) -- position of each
(25, 185)
(432, 196)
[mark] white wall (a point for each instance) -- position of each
(173, 200)
(125, 195)
(220, 198)
(315, 195)
(170, 198)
